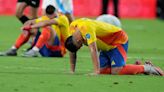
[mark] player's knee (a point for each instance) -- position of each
(18, 14)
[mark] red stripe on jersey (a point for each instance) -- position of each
(114, 39)
(122, 51)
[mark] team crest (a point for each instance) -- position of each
(88, 36)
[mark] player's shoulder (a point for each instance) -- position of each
(62, 16)
(42, 18)
(80, 21)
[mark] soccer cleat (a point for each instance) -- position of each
(31, 53)
(10, 52)
(150, 69)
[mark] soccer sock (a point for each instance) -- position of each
(23, 19)
(105, 71)
(43, 38)
(132, 69)
(23, 38)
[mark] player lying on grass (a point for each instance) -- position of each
(50, 42)
(112, 44)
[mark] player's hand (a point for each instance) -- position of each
(27, 28)
(71, 72)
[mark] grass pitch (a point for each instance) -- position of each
(19, 74)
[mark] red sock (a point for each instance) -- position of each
(105, 71)
(23, 38)
(132, 69)
(43, 38)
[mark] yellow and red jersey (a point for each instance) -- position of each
(105, 35)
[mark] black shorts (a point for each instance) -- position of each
(32, 3)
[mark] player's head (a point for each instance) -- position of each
(109, 19)
(50, 9)
(73, 43)
(69, 44)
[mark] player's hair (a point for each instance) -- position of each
(50, 9)
(70, 45)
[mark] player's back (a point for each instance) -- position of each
(107, 36)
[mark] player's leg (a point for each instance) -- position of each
(20, 7)
(23, 38)
(104, 9)
(34, 5)
(116, 58)
(44, 37)
(33, 12)
(105, 66)
(53, 48)
(116, 7)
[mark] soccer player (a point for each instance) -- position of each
(50, 42)
(63, 6)
(112, 44)
(22, 4)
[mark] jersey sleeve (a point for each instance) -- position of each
(88, 33)
(40, 19)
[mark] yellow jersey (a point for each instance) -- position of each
(62, 29)
(105, 35)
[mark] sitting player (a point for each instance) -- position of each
(50, 42)
(112, 44)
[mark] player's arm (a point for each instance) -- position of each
(45, 23)
(94, 55)
(72, 61)
(28, 23)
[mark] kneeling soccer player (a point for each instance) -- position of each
(49, 42)
(112, 44)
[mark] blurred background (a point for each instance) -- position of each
(90, 8)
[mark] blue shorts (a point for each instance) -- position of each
(46, 52)
(115, 57)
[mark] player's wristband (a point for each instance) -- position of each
(27, 28)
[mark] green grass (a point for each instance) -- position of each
(18, 74)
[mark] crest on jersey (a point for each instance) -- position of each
(88, 36)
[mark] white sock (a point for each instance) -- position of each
(35, 48)
(14, 48)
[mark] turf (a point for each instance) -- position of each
(19, 74)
